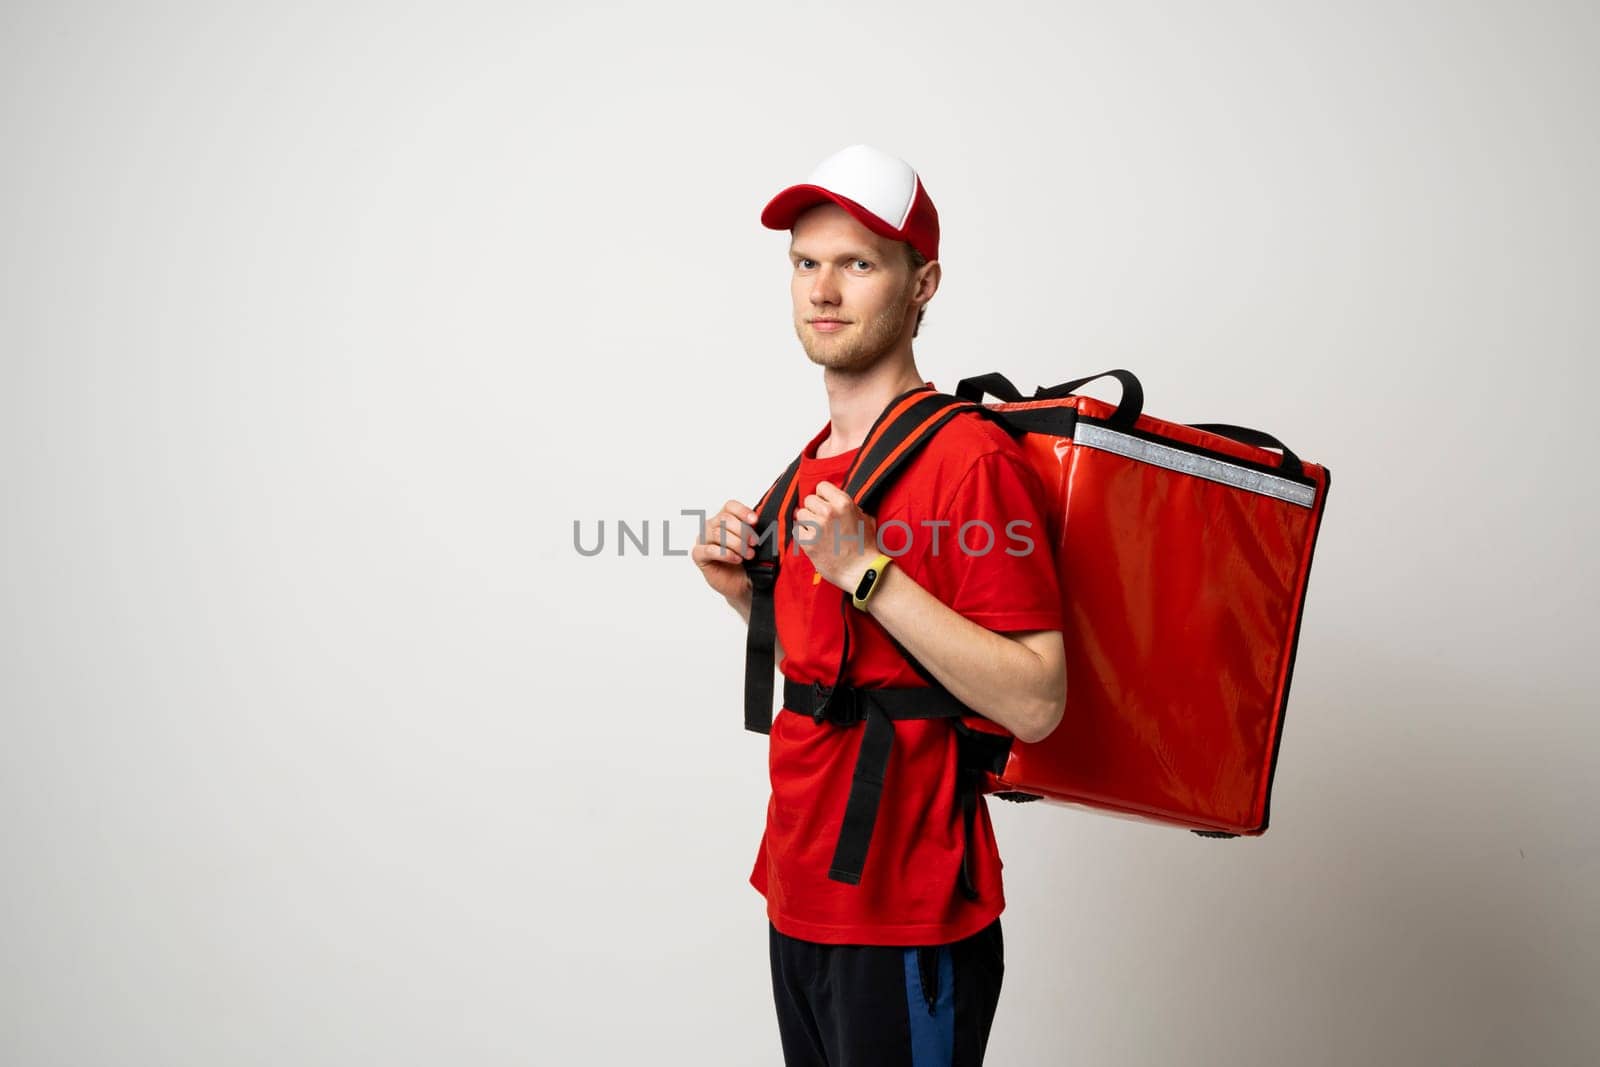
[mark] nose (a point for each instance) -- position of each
(824, 287)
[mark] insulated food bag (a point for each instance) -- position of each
(1183, 554)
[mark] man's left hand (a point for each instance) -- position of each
(838, 536)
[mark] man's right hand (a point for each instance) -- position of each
(729, 540)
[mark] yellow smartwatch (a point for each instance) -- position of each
(869, 580)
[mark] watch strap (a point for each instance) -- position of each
(870, 581)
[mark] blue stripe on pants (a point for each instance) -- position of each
(933, 1033)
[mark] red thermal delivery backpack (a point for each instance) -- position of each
(1182, 553)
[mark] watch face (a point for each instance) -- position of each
(866, 582)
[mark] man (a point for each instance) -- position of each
(903, 966)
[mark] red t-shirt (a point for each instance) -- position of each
(908, 894)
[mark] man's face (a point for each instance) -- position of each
(852, 289)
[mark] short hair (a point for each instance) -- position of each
(916, 259)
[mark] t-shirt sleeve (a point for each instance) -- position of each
(1012, 586)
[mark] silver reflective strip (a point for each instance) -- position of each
(1177, 459)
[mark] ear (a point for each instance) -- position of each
(927, 282)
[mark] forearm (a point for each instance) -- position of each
(997, 677)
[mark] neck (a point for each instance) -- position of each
(857, 398)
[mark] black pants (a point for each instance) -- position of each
(883, 1006)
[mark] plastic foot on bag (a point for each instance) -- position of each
(1016, 797)
(1213, 833)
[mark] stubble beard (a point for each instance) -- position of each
(876, 337)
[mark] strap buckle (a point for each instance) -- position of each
(840, 705)
(763, 574)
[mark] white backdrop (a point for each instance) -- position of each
(321, 324)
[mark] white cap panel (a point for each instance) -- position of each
(879, 182)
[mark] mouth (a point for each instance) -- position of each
(828, 325)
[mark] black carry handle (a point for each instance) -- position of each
(1291, 462)
(996, 385)
(1127, 412)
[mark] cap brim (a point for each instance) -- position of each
(783, 209)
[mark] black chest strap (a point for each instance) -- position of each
(875, 710)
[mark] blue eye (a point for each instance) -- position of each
(804, 263)
(864, 264)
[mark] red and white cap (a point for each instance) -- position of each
(881, 191)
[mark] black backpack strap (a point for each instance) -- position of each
(762, 635)
(1291, 462)
(901, 430)
(995, 384)
(875, 710)
(906, 424)
(772, 524)
(1127, 413)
